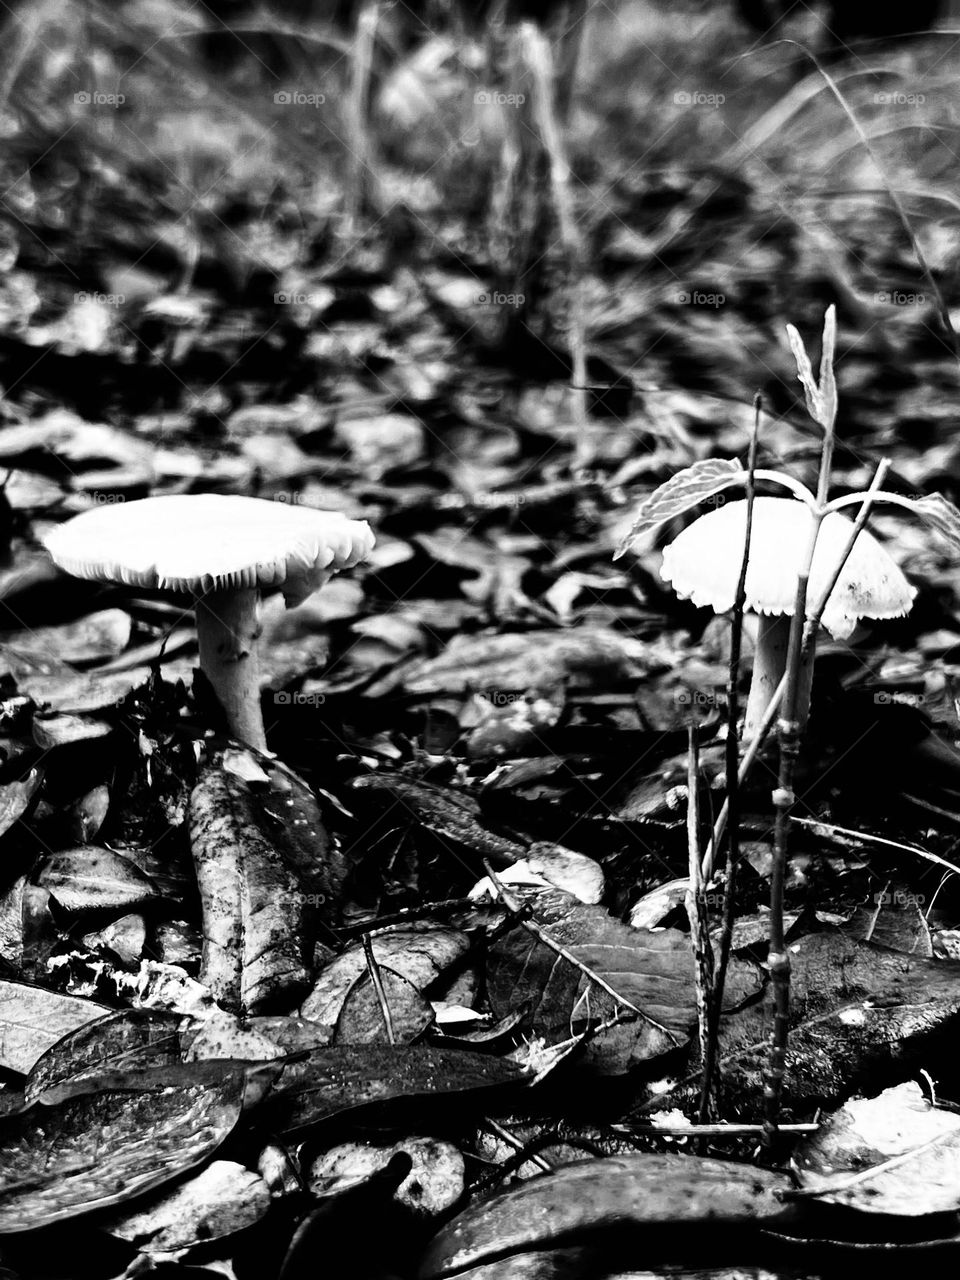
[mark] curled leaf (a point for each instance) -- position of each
(942, 514)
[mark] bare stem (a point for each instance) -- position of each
(360, 175)
(733, 783)
(695, 903)
(228, 628)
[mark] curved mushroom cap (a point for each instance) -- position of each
(703, 564)
(209, 542)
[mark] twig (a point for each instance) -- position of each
(859, 838)
(696, 905)
(733, 781)
(712, 1130)
(821, 398)
(803, 634)
(513, 1141)
(373, 969)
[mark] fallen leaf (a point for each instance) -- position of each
(222, 1199)
(89, 878)
(97, 1150)
(32, 1019)
(617, 1193)
(343, 1078)
(433, 1185)
(893, 1154)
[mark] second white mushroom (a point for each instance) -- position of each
(703, 565)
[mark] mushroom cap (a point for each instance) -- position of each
(209, 542)
(703, 564)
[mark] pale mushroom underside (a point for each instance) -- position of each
(703, 565)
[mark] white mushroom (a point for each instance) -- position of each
(703, 565)
(221, 550)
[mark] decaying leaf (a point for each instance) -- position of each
(419, 954)
(433, 1185)
(858, 1013)
(122, 1040)
(32, 1019)
(364, 1016)
(16, 798)
(452, 815)
(89, 879)
(628, 1192)
(255, 908)
(102, 1149)
(220, 1200)
(329, 1081)
(893, 1154)
(653, 970)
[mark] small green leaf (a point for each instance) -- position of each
(821, 396)
(681, 492)
(828, 383)
(805, 373)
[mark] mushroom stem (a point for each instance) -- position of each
(769, 665)
(228, 628)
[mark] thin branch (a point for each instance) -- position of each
(733, 780)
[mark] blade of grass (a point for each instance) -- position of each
(898, 205)
(538, 56)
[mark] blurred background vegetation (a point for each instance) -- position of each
(209, 205)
